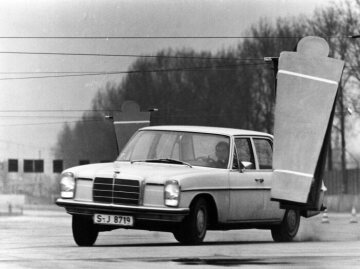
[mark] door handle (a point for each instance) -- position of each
(260, 180)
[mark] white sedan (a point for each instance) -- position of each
(179, 179)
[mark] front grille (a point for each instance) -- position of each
(116, 191)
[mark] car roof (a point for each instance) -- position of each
(206, 129)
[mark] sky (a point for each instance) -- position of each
(32, 111)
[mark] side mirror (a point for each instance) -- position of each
(245, 165)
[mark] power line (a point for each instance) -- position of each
(56, 110)
(224, 67)
(126, 55)
(142, 37)
(38, 116)
(53, 72)
(88, 73)
(50, 123)
(168, 37)
(174, 113)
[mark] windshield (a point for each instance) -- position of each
(196, 149)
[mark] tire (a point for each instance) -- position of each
(287, 230)
(193, 228)
(84, 230)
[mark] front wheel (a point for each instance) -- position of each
(287, 230)
(193, 228)
(84, 231)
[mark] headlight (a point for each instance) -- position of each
(172, 193)
(67, 185)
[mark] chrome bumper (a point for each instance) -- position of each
(139, 212)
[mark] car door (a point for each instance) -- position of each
(246, 184)
(263, 155)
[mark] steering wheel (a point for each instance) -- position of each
(205, 159)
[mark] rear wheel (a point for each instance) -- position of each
(193, 228)
(287, 230)
(84, 230)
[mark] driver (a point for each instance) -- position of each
(222, 154)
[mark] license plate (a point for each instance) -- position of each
(114, 220)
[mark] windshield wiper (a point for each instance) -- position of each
(163, 160)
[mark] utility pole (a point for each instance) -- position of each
(330, 155)
(39, 177)
(342, 136)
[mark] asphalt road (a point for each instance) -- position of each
(43, 239)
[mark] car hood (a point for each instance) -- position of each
(150, 172)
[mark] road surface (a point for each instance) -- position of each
(43, 239)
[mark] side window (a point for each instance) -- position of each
(264, 152)
(244, 152)
(235, 165)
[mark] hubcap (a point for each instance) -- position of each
(200, 221)
(291, 220)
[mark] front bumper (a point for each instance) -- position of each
(140, 213)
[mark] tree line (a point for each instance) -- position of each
(217, 89)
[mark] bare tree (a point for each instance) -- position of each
(218, 89)
(336, 23)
